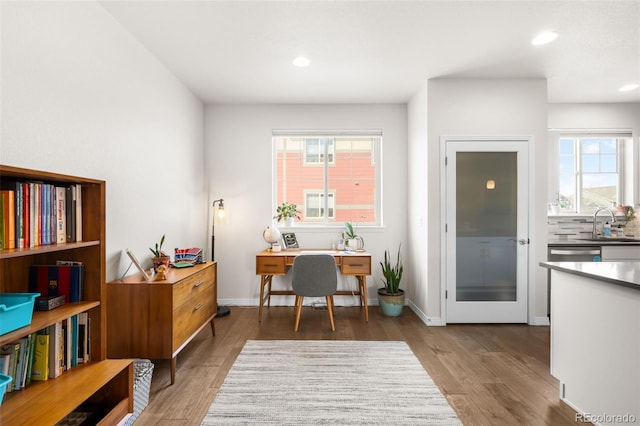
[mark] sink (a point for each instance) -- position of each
(612, 240)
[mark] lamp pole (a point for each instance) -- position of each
(222, 310)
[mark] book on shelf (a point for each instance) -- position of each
(83, 337)
(3, 237)
(5, 359)
(70, 327)
(70, 200)
(11, 350)
(56, 350)
(19, 216)
(61, 215)
(79, 235)
(8, 219)
(55, 280)
(23, 213)
(40, 368)
(21, 366)
(32, 343)
(42, 213)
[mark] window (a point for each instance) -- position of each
(591, 172)
(332, 178)
(314, 206)
(314, 150)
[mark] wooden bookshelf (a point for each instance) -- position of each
(105, 382)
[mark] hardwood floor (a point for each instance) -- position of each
(491, 374)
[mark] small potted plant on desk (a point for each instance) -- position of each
(352, 241)
(286, 212)
(391, 296)
(159, 257)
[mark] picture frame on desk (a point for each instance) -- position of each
(135, 261)
(290, 241)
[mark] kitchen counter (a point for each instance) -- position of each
(626, 274)
(595, 338)
(598, 242)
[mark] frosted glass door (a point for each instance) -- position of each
(486, 238)
(486, 217)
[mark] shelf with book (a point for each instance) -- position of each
(20, 252)
(105, 381)
(40, 403)
(43, 319)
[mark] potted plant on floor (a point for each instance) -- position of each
(391, 296)
(286, 212)
(159, 257)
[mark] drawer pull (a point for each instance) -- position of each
(198, 284)
(272, 265)
(356, 264)
(198, 306)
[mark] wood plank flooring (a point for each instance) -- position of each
(491, 374)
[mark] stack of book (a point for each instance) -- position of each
(47, 353)
(37, 214)
(64, 278)
(188, 255)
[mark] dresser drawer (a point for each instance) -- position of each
(190, 316)
(199, 284)
(356, 265)
(270, 265)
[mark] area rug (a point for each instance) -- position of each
(328, 382)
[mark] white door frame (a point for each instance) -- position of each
(530, 212)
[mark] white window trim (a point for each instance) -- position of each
(331, 193)
(628, 156)
(377, 161)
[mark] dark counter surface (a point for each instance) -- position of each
(598, 242)
(626, 274)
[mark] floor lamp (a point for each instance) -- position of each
(222, 310)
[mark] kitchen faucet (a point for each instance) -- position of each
(595, 230)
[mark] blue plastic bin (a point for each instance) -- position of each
(4, 381)
(16, 310)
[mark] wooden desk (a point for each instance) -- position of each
(157, 319)
(270, 263)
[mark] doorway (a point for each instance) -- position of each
(486, 232)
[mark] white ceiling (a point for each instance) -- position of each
(382, 51)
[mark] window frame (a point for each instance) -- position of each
(376, 160)
(625, 147)
(329, 152)
(330, 206)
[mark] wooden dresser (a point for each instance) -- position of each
(157, 319)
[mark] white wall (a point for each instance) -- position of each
(238, 156)
(419, 218)
(81, 96)
(481, 108)
(603, 116)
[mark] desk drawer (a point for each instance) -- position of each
(199, 285)
(270, 265)
(356, 265)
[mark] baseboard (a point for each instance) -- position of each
(289, 301)
(544, 321)
(429, 321)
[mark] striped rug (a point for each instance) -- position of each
(328, 382)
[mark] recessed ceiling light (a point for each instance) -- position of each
(629, 87)
(544, 38)
(301, 62)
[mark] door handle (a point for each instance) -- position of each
(523, 241)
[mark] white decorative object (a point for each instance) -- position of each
(272, 236)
